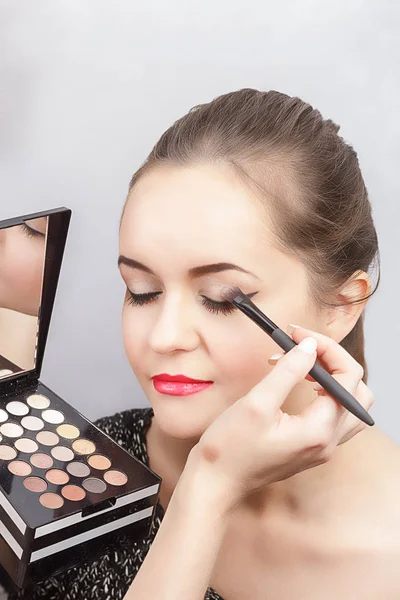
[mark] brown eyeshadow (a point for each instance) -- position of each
(47, 438)
(26, 445)
(7, 453)
(57, 477)
(83, 446)
(78, 469)
(62, 453)
(97, 461)
(35, 484)
(50, 500)
(41, 461)
(96, 486)
(73, 492)
(115, 477)
(70, 432)
(20, 468)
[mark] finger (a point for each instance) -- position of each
(326, 422)
(291, 369)
(320, 422)
(274, 358)
(335, 358)
(352, 425)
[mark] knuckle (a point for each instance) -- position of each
(290, 369)
(325, 455)
(253, 408)
(360, 371)
(322, 442)
(370, 398)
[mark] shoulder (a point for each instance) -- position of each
(128, 429)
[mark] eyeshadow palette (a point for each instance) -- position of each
(67, 490)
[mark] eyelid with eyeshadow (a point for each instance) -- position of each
(212, 306)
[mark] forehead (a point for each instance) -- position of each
(201, 211)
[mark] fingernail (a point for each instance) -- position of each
(309, 345)
(291, 327)
(275, 357)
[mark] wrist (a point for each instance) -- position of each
(201, 486)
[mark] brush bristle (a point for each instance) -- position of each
(230, 293)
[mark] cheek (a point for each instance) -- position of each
(22, 271)
(241, 357)
(134, 334)
(28, 271)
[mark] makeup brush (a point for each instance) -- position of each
(235, 296)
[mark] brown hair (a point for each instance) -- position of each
(303, 170)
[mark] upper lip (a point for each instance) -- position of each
(178, 378)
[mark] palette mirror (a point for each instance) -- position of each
(22, 261)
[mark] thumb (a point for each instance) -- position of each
(291, 369)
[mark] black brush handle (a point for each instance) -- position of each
(331, 385)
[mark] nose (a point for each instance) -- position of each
(174, 328)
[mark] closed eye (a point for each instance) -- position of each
(212, 306)
(30, 232)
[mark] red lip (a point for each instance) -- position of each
(178, 378)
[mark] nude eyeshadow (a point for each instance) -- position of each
(55, 455)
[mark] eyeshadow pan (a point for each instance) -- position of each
(7, 453)
(11, 430)
(3, 416)
(78, 469)
(83, 446)
(70, 432)
(20, 468)
(52, 416)
(73, 492)
(38, 401)
(115, 477)
(26, 445)
(57, 477)
(32, 423)
(47, 438)
(35, 484)
(94, 485)
(62, 453)
(19, 409)
(41, 461)
(51, 500)
(97, 461)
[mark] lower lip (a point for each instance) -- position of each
(177, 388)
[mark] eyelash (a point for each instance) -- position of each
(29, 232)
(224, 308)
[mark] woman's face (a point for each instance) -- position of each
(178, 220)
(22, 252)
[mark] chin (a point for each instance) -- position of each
(180, 421)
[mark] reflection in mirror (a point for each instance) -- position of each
(22, 259)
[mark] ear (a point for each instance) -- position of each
(343, 318)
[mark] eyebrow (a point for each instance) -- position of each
(194, 272)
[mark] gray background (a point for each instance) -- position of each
(88, 87)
